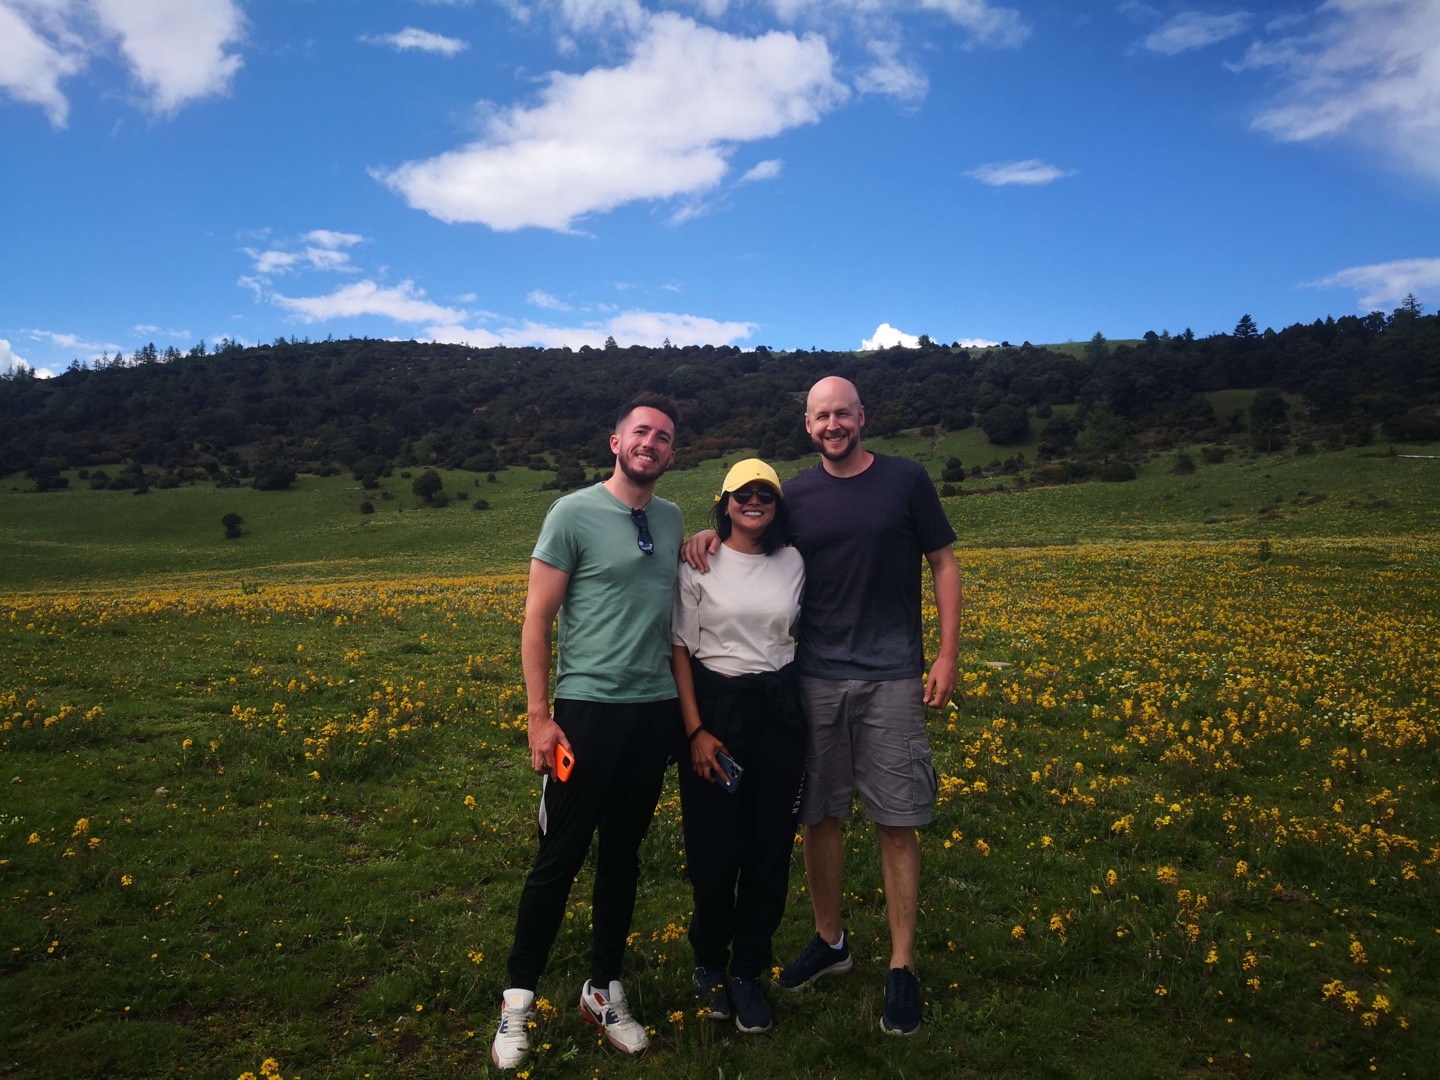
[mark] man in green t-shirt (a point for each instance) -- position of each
(605, 564)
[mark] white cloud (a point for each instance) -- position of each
(330, 239)
(8, 357)
(177, 49)
(31, 67)
(662, 125)
(1371, 70)
(1030, 172)
(999, 26)
(765, 170)
(593, 15)
(1195, 30)
(403, 303)
(1386, 284)
(653, 327)
(887, 336)
(539, 298)
(650, 328)
(272, 262)
(150, 330)
(985, 23)
(320, 253)
(421, 40)
(70, 341)
(327, 259)
(892, 76)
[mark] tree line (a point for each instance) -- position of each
(259, 414)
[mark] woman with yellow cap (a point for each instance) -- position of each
(733, 633)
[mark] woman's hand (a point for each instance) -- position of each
(703, 749)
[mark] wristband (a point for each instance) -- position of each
(696, 732)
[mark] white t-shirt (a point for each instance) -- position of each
(743, 615)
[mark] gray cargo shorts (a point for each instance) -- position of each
(868, 736)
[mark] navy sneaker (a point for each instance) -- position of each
(817, 961)
(902, 1003)
(752, 1010)
(712, 993)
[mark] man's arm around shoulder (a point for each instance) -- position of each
(542, 602)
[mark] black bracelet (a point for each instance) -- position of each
(696, 732)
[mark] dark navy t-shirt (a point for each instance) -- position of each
(864, 539)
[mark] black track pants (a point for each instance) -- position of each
(620, 756)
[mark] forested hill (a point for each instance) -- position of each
(366, 405)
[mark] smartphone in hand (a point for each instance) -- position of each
(730, 770)
(564, 762)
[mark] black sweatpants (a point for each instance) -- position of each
(738, 845)
(620, 755)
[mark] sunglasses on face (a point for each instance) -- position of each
(744, 495)
(645, 542)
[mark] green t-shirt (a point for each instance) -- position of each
(614, 639)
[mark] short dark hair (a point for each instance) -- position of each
(776, 534)
(648, 399)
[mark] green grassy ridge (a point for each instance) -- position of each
(315, 532)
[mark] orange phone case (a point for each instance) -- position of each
(564, 763)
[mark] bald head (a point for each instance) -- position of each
(834, 417)
(832, 390)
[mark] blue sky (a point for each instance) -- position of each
(788, 173)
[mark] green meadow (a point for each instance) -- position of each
(265, 806)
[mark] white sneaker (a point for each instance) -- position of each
(609, 1012)
(512, 1040)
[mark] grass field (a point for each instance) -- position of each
(266, 798)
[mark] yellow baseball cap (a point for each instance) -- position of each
(747, 472)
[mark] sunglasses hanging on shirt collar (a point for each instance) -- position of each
(645, 542)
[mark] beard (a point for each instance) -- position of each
(836, 452)
(639, 473)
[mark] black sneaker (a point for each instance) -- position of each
(902, 1003)
(817, 961)
(752, 1010)
(712, 993)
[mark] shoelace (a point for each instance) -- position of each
(818, 951)
(907, 990)
(617, 1012)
